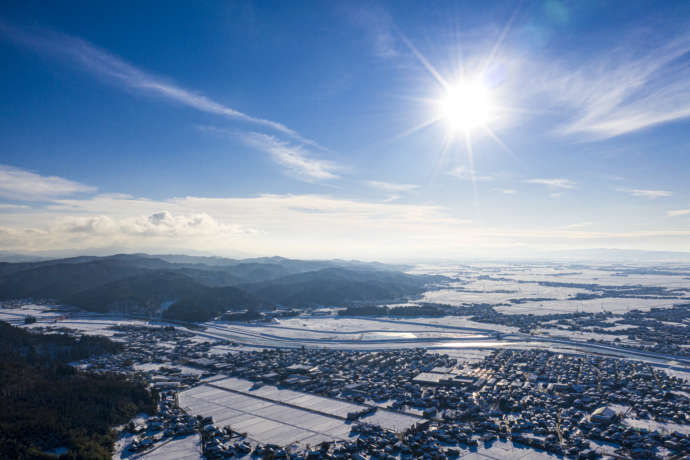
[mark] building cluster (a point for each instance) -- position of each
(565, 404)
(352, 375)
(659, 330)
(162, 350)
(169, 422)
(578, 406)
(567, 400)
(220, 443)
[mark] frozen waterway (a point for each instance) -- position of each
(445, 333)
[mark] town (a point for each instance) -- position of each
(395, 404)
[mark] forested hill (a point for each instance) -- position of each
(340, 286)
(47, 404)
(18, 344)
(200, 288)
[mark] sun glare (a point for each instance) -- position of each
(466, 106)
(471, 102)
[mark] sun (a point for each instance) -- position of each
(465, 106)
(471, 98)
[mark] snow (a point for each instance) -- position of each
(273, 415)
(263, 421)
(42, 313)
(614, 305)
(503, 449)
(391, 420)
(180, 448)
(187, 448)
(186, 370)
(661, 427)
(516, 281)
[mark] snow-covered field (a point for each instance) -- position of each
(488, 291)
(478, 283)
(16, 315)
(546, 289)
(263, 421)
(448, 334)
(358, 333)
(273, 415)
(182, 448)
(273, 421)
(186, 448)
(613, 305)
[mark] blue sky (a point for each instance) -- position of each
(321, 129)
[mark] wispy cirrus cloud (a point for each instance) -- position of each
(378, 27)
(463, 173)
(625, 88)
(295, 158)
(396, 190)
(651, 194)
(678, 212)
(12, 207)
(22, 185)
(579, 225)
(391, 186)
(558, 183)
(115, 70)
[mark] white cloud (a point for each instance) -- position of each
(392, 187)
(12, 206)
(506, 191)
(651, 194)
(391, 198)
(579, 225)
(114, 69)
(305, 226)
(158, 224)
(553, 182)
(164, 223)
(678, 212)
(623, 89)
(378, 27)
(295, 225)
(293, 157)
(464, 173)
(92, 224)
(19, 184)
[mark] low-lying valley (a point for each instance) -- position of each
(275, 358)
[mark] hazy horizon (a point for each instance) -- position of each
(583, 256)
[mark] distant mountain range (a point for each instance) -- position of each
(199, 288)
(6, 256)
